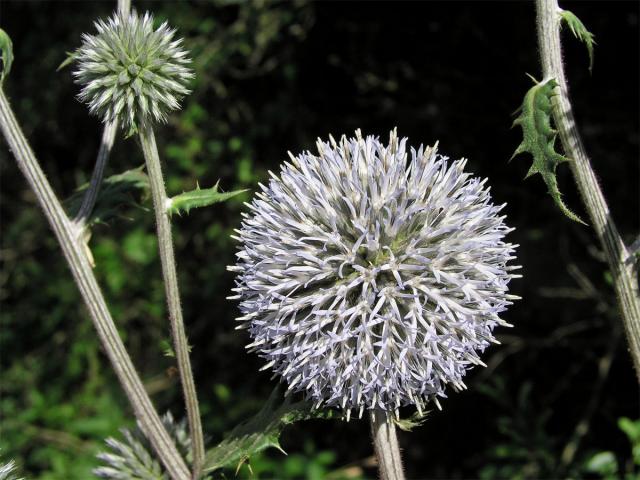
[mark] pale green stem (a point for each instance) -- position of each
(385, 442)
(91, 194)
(78, 261)
(167, 258)
(624, 279)
(124, 6)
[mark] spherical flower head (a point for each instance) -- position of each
(372, 278)
(131, 72)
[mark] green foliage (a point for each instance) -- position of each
(605, 464)
(632, 429)
(7, 55)
(525, 448)
(260, 432)
(540, 139)
(306, 463)
(580, 32)
(117, 192)
(200, 197)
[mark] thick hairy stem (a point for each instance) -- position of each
(386, 446)
(78, 261)
(91, 195)
(167, 258)
(625, 282)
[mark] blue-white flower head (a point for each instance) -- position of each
(372, 277)
(131, 72)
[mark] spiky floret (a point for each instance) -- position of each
(131, 72)
(368, 279)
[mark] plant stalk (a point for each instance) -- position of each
(91, 195)
(79, 264)
(385, 442)
(167, 258)
(108, 137)
(624, 280)
(124, 6)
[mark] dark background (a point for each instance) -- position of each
(272, 77)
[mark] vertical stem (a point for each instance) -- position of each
(91, 195)
(124, 6)
(108, 137)
(78, 261)
(386, 446)
(167, 258)
(625, 282)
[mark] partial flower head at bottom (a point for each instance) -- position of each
(372, 277)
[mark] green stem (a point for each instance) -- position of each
(385, 443)
(91, 195)
(624, 279)
(124, 6)
(167, 258)
(78, 261)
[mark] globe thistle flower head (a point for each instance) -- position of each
(131, 72)
(370, 276)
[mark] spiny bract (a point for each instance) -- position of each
(368, 279)
(131, 72)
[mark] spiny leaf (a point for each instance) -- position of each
(580, 32)
(539, 139)
(7, 55)
(200, 197)
(260, 432)
(117, 191)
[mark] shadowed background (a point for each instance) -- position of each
(271, 77)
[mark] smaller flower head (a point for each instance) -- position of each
(131, 72)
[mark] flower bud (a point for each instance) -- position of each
(130, 72)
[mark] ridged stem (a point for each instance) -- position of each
(79, 264)
(91, 195)
(167, 258)
(385, 442)
(624, 279)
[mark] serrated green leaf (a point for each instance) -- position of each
(539, 139)
(200, 197)
(71, 57)
(116, 192)
(260, 432)
(580, 32)
(6, 47)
